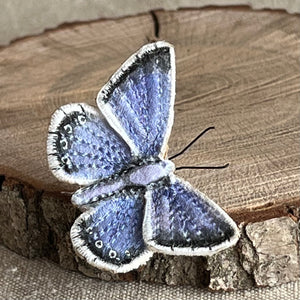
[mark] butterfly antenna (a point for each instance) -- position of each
(191, 143)
(202, 167)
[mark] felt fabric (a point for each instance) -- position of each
(22, 278)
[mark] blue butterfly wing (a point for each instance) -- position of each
(138, 100)
(109, 236)
(82, 147)
(182, 221)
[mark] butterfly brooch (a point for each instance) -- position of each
(132, 203)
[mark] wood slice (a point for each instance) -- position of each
(237, 70)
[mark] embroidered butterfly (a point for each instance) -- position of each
(132, 202)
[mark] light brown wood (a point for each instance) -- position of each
(40, 74)
(237, 70)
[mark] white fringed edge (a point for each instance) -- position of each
(56, 120)
(83, 251)
(106, 107)
(188, 251)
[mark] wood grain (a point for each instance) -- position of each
(40, 74)
(237, 70)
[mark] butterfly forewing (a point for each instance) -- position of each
(139, 99)
(82, 146)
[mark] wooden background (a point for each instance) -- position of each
(237, 70)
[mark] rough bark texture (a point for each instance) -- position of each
(236, 69)
(37, 224)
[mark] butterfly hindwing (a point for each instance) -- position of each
(138, 100)
(109, 236)
(82, 147)
(182, 221)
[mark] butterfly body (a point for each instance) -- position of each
(140, 175)
(133, 204)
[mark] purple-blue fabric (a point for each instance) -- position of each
(141, 101)
(92, 148)
(117, 223)
(182, 218)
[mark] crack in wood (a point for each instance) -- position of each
(155, 24)
(2, 178)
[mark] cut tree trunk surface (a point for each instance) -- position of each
(237, 70)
